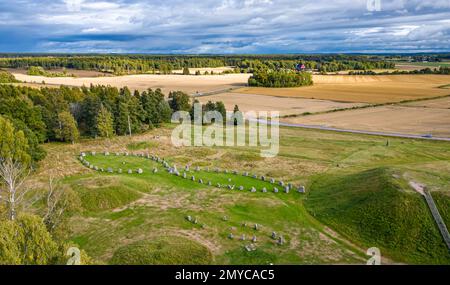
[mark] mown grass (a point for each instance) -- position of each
(372, 208)
(168, 250)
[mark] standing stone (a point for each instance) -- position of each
(83, 154)
(245, 173)
(235, 172)
(189, 218)
(231, 236)
(209, 183)
(140, 171)
(264, 190)
(256, 227)
(281, 183)
(253, 190)
(200, 181)
(241, 188)
(106, 153)
(197, 168)
(242, 237)
(186, 168)
(130, 171)
(229, 179)
(93, 153)
(95, 168)
(275, 189)
(286, 189)
(225, 218)
(117, 154)
(244, 224)
(218, 185)
(195, 221)
(102, 170)
(119, 171)
(193, 178)
(110, 170)
(255, 176)
(272, 180)
(155, 170)
(175, 168)
(125, 153)
(217, 170)
(274, 235)
(254, 239)
(280, 240)
(301, 189)
(184, 175)
(263, 178)
(81, 158)
(91, 166)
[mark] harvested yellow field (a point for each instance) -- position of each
(442, 103)
(284, 105)
(186, 83)
(364, 88)
(392, 119)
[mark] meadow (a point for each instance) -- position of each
(142, 218)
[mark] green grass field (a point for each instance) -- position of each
(358, 197)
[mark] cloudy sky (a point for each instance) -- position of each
(224, 26)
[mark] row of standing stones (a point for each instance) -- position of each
(286, 188)
(279, 239)
(173, 170)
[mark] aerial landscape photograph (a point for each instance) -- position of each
(225, 133)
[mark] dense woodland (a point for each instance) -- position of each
(280, 78)
(164, 64)
(65, 114)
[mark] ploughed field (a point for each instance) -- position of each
(161, 218)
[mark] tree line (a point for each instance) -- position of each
(67, 113)
(441, 70)
(280, 78)
(164, 64)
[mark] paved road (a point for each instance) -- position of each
(325, 128)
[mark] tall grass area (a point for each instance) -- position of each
(372, 208)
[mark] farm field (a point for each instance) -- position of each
(187, 83)
(363, 89)
(124, 216)
(441, 103)
(285, 105)
(392, 119)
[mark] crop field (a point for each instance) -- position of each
(392, 119)
(363, 89)
(167, 83)
(284, 105)
(143, 218)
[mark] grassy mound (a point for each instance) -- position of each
(372, 208)
(99, 195)
(167, 250)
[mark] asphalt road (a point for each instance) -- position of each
(324, 128)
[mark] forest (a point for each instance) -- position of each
(165, 64)
(68, 113)
(281, 78)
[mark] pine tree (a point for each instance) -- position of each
(104, 123)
